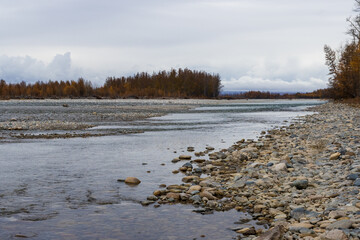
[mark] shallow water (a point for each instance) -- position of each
(68, 189)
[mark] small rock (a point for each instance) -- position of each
(296, 227)
(207, 195)
(357, 182)
(336, 214)
(279, 167)
(247, 231)
(190, 178)
(157, 193)
(275, 233)
(353, 176)
(184, 157)
(187, 165)
(300, 184)
(132, 180)
(190, 149)
(175, 196)
(195, 198)
(335, 156)
(195, 188)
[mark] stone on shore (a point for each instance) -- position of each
(184, 157)
(300, 184)
(335, 234)
(275, 233)
(335, 156)
(132, 180)
(279, 167)
(341, 224)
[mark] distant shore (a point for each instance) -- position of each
(68, 118)
(301, 180)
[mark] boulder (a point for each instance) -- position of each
(132, 180)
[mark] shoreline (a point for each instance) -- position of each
(301, 180)
(71, 118)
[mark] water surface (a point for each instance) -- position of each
(68, 188)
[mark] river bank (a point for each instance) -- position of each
(301, 180)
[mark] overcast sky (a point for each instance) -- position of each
(272, 45)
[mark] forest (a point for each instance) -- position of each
(321, 93)
(344, 63)
(181, 83)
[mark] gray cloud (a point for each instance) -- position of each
(17, 69)
(278, 40)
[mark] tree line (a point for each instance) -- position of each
(344, 63)
(320, 93)
(181, 83)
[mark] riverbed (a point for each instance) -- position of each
(67, 188)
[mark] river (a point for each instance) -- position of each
(68, 188)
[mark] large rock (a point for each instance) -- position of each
(300, 184)
(275, 233)
(357, 182)
(301, 212)
(175, 196)
(208, 195)
(279, 167)
(132, 180)
(335, 234)
(342, 224)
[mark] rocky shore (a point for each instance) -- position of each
(300, 181)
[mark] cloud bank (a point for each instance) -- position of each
(29, 69)
(278, 43)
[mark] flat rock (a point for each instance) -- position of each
(184, 157)
(207, 195)
(357, 182)
(342, 224)
(298, 226)
(275, 233)
(335, 234)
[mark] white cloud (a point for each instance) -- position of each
(247, 83)
(17, 69)
(262, 39)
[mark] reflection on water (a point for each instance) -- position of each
(68, 188)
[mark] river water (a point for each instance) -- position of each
(68, 188)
